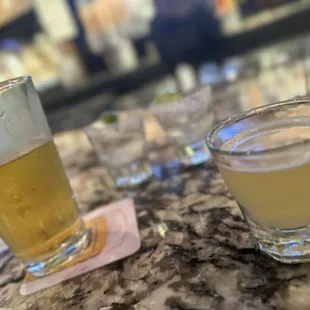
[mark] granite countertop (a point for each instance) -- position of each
(196, 252)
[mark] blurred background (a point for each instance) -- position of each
(86, 56)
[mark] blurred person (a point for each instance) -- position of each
(186, 31)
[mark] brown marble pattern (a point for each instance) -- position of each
(196, 252)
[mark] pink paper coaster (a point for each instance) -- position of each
(123, 239)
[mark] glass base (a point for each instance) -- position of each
(196, 154)
(132, 174)
(289, 246)
(167, 170)
(292, 252)
(68, 250)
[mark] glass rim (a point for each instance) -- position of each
(94, 126)
(14, 82)
(269, 107)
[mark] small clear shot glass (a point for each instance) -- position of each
(186, 121)
(119, 142)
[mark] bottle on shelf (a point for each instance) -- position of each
(70, 67)
(229, 13)
(56, 19)
(11, 58)
(139, 17)
(186, 77)
(92, 25)
(122, 56)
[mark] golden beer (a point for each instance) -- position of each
(38, 211)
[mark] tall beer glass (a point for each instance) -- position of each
(264, 158)
(39, 218)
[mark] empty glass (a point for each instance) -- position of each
(119, 141)
(186, 121)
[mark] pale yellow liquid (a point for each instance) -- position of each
(37, 208)
(276, 196)
(277, 199)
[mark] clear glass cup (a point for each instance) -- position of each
(39, 218)
(121, 147)
(264, 158)
(186, 120)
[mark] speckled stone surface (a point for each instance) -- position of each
(196, 251)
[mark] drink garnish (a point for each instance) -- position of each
(109, 118)
(166, 98)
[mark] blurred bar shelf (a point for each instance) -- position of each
(21, 26)
(119, 83)
(266, 30)
(292, 25)
(269, 16)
